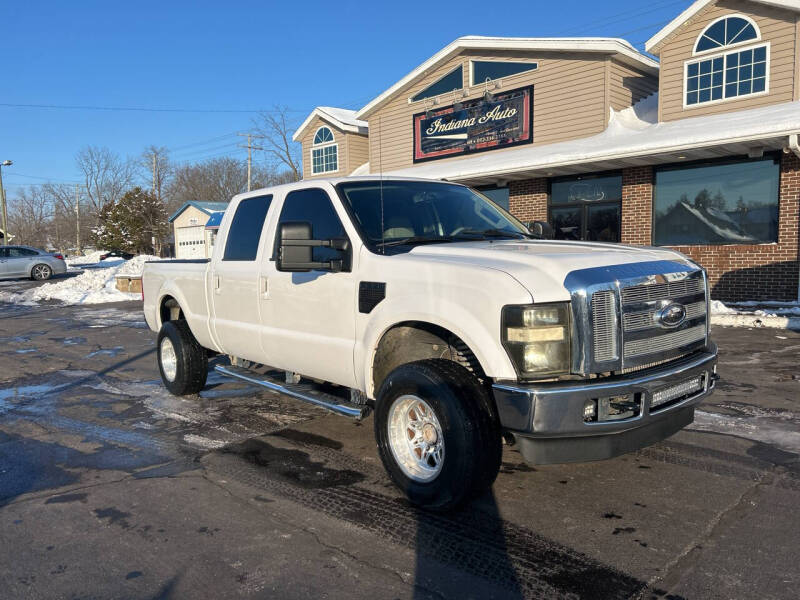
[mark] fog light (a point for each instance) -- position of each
(590, 410)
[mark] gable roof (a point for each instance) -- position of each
(654, 42)
(621, 48)
(342, 118)
(215, 220)
(206, 207)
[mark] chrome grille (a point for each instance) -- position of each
(647, 319)
(662, 291)
(664, 342)
(604, 332)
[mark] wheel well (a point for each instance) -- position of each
(416, 340)
(170, 310)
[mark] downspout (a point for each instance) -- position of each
(794, 146)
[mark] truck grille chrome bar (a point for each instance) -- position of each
(619, 315)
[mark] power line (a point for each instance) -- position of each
(203, 142)
(140, 108)
(625, 16)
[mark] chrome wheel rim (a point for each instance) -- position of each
(169, 362)
(416, 438)
(41, 271)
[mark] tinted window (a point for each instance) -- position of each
(21, 252)
(586, 208)
(485, 69)
(722, 203)
(245, 230)
(314, 206)
(3, 252)
(454, 80)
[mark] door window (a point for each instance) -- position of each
(245, 230)
(314, 206)
(586, 208)
(21, 253)
(3, 252)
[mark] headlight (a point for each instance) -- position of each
(537, 338)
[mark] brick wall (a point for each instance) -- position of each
(736, 272)
(637, 205)
(527, 200)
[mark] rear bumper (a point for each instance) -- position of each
(547, 420)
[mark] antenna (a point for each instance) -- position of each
(380, 179)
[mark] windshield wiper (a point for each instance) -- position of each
(494, 233)
(417, 239)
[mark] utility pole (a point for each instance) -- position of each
(5, 163)
(250, 149)
(77, 218)
(155, 167)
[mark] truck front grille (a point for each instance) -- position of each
(626, 318)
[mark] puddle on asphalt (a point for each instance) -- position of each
(106, 351)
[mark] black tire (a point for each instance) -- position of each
(191, 361)
(472, 440)
(41, 272)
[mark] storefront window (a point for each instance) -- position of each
(731, 202)
(499, 195)
(586, 208)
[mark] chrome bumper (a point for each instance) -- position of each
(547, 419)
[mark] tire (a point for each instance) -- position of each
(182, 362)
(469, 461)
(41, 272)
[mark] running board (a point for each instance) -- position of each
(300, 391)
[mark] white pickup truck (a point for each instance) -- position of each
(429, 304)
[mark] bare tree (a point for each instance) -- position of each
(277, 126)
(157, 169)
(107, 176)
(66, 200)
(30, 216)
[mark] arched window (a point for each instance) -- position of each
(324, 152)
(724, 74)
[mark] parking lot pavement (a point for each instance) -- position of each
(110, 487)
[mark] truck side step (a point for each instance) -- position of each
(301, 391)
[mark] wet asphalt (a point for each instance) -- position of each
(112, 488)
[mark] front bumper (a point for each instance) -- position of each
(547, 419)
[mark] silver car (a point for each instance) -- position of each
(24, 261)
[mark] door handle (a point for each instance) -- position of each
(217, 284)
(263, 286)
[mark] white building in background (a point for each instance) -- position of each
(192, 239)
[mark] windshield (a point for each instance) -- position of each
(415, 212)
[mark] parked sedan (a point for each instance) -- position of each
(24, 261)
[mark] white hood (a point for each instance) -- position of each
(541, 266)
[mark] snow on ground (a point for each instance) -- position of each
(93, 286)
(767, 313)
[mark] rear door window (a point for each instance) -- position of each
(21, 252)
(245, 230)
(315, 207)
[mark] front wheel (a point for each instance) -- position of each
(434, 435)
(183, 362)
(41, 272)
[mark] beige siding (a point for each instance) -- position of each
(627, 85)
(568, 102)
(778, 27)
(190, 217)
(357, 150)
(352, 149)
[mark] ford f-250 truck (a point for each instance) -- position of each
(431, 305)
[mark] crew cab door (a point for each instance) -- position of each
(234, 291)
(308, 318)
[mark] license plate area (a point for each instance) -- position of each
(677, 392)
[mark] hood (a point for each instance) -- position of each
(539, 265)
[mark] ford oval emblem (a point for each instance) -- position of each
(672, 315)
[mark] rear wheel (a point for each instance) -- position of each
(436, 434)
(41, 272)
(182, 362)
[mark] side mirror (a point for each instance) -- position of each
(296, 248)
(541, 229)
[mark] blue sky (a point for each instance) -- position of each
(235, 56)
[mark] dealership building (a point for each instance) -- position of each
(696, 151)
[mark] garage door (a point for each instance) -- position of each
(190, 242)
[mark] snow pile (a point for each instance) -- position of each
(93, 286)
(769, 313)
(86, 259)
(134, 266)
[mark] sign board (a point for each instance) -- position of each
(476, 127)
